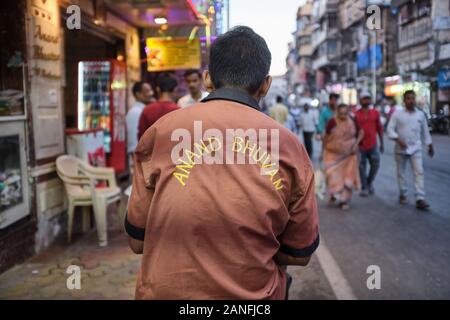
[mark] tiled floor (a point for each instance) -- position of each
(106, 272)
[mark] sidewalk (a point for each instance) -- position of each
(106, 273)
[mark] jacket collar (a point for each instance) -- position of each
(235, 95)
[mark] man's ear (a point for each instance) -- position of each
(207, 82)
(265, 86)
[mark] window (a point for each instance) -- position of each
(406, 13)
(12, 56)
(423, 8)
(332, 22)
(332, 47)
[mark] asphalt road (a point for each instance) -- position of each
(411, 248)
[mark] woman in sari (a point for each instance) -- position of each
(340, 158)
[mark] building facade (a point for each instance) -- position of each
(407, 49)
(423, 48)
(42, 44)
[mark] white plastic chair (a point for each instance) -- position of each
(80, 181)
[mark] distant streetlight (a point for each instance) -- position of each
(160, 20)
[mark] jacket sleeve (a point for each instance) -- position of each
(301, 235)
(142, 188)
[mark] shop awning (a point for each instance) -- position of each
(142, 13)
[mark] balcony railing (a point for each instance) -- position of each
(415, 32)
(317, 38)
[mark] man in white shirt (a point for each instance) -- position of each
(143, 95)
(193, 80)
(409, 129)
(308, 123)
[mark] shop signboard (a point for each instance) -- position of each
(364, 57)
(444, 78)
(45, 69)
(172, 54)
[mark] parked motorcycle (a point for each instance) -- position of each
(439, 123)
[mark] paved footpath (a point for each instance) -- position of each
(106, 273)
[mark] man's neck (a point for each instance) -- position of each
(165, 97)
(410, 109)
(197, 95)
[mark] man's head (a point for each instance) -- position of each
(279, 99)
(239, 59)
(409, 98)
(392, 102)
(342, 111)
(332, 100)
(165, 85)
(365, 99)
(142, 92)
(306, 106)
(193, 80)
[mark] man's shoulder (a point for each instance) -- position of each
(172, 106)
(205, 94)
(275, 107)
(325, 111)
(135, 110)
(184, 98)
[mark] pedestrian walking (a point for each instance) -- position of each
(294, 113)
(222, 231)
(368, 120)
(193, 79)
(165, 89)
(326, 113)
(341, 140)
(409, 129)
(279, 112)
(392, 108)
(143, 95)
(308, 124)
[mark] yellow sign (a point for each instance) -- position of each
(173, 54)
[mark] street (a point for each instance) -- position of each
(122, 124)
(409, 246)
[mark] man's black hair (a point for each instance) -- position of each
(166, 83)
(137, 87)
(279, 99)
(333, 95)
(192, 71)
(407, 92)
(239, 59)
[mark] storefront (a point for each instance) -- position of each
(396, 85)
(58, 80)
(443, 93)
(39, 63)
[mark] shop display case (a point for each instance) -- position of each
(102, 104)
(87, 145)
(13, 174)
